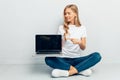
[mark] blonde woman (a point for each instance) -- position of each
(74, 42)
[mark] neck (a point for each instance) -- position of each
(72, 23)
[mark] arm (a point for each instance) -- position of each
(65, 37)
(82, 43)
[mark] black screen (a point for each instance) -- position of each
(48, 43)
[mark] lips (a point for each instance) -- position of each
(67, 19)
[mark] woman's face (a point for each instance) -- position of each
(69, 15)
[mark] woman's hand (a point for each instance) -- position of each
(81, 42)
(75, 41)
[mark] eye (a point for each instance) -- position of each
(68, 13)
(65, 13)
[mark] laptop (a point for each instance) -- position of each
(48, 44)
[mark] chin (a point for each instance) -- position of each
(68, 21)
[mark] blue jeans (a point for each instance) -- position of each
(80, 63)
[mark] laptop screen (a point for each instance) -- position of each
(48, 43)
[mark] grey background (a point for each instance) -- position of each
(20, 20)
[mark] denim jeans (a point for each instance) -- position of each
(80, 63)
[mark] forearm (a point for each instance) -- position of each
(82, 44)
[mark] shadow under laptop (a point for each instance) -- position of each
(39, 66)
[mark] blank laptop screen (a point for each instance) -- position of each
(48, 43)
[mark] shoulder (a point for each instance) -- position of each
(61, 30)
(61, 27)
(82, 27)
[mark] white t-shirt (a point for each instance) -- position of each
(69, 49)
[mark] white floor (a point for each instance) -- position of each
(42, 72)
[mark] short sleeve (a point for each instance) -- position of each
(60, 30)
(84, 34)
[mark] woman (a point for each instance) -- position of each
(73, 43)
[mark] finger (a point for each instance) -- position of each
(71, 39)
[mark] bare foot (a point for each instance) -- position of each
(72, 70)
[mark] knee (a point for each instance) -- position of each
(97, 57)
(48, 60)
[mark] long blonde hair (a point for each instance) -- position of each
(74, 8)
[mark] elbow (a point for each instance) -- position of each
(83, 48)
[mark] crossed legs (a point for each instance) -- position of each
(73, 65)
